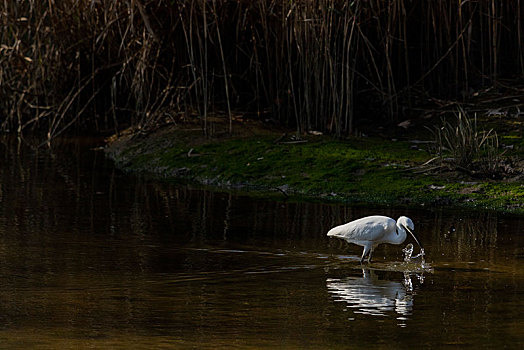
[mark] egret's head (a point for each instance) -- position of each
(406, 222)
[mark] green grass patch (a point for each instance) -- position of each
(368, 170)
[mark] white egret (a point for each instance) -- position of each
(370, 231)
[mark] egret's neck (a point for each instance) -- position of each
(401, 236)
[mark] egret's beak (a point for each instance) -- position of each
(412, 234)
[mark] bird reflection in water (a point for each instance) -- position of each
(370, 295)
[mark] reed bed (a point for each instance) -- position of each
(326, 65)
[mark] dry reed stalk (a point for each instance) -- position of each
(310, 64)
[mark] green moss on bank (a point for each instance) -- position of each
(366, 170)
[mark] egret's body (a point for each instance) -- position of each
(371, 231)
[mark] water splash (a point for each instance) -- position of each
(408, 252)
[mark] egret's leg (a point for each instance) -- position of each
(369, 255)
(364, 253)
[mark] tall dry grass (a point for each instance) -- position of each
(313, 64)
(463, 146)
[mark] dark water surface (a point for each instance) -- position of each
(93, 258)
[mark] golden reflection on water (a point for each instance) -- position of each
(90, 257)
